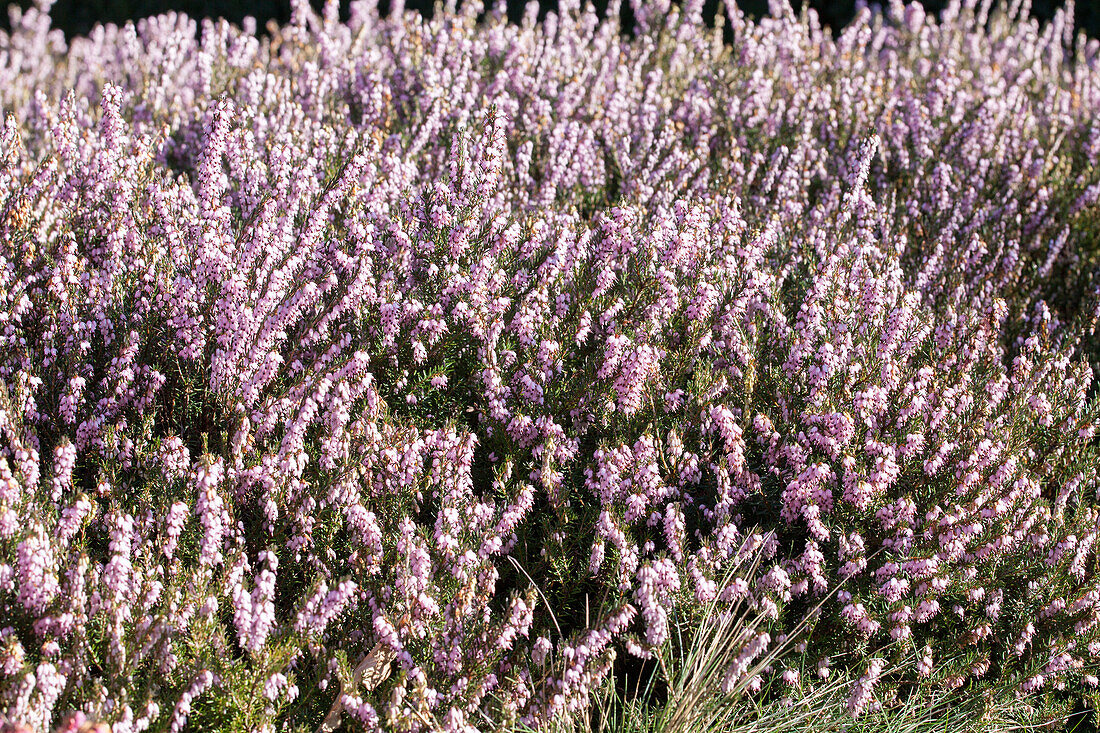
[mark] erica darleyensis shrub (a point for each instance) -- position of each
(406, 374)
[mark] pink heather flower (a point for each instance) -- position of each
(856, 615)
(174, 457)
(1033, 683)
(518, 623)
(673, 400)
(178, 515)
(387, 634)
(924, 664)
(262, 605)
(655, 585)
(863, 689)
(73, 518)
(12, 653)
(211, 511)
(37, 572)
(735, 674)
(274, 686)
(674, 526)
(540, 650)
(72, 400)
(1025, 639)
(64, 462)
(183, 708)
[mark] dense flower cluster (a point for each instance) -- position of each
(411, 372)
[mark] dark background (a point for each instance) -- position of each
(76, 17)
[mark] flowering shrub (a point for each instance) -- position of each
(404, 374)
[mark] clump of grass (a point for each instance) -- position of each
(698, 696)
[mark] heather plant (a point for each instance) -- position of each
(415, 375)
